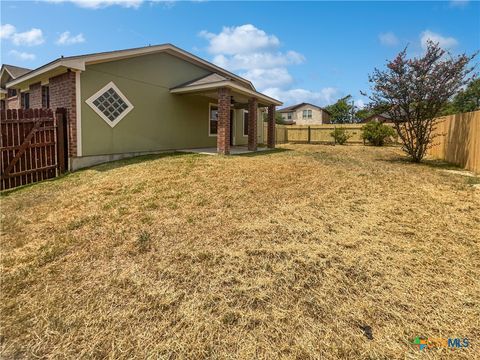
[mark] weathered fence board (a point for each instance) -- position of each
(29, 146)
(458, 140)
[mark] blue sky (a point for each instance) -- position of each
(294, 51)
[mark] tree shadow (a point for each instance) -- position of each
(430, 163)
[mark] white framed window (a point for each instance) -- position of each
(212, 120)
(245, 122)
(110, 104)
(307, 114)
(289, 116)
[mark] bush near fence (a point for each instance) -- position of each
(458, 140)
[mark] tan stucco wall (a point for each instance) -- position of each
(318, 116)
(159, 120)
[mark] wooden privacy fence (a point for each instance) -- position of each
(32, 146)
(458, 140)
(315, 133)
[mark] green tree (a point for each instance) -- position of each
(416, 90)
(341, 112)
(465, 100)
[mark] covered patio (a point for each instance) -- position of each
(229, 94)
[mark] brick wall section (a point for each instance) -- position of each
(271, 127)
(35, 96)
(13, 102)
(223, 128)
(62, 95)
(252, 124)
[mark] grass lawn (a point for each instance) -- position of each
(310, 252)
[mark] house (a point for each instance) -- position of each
(10, 98)
(383, 118)
(146, 100)
(305, 114)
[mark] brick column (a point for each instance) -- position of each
(252, 124)
(223, 126)
(271, 127)
(63, 95)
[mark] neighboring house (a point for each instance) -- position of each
(10, 98)
(305, 114)
(383, 118)
(146, 100)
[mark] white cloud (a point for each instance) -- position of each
(294, 96)
(388, 39)
(256, 55)
(243, 39)
(359, 103)
(444, 42)
(24, 56)
(6, 31)
(266, 78)
(31, 37)
(258, 60)
(67, 39)
(98, 4)
(459, 3)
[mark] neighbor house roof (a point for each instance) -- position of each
(383, 115)
(295, 107)
(79, 62)
(14, 71)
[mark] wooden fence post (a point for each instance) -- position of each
(309, 135)
(61, 139)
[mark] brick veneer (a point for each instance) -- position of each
(271, 127)
(35, 95)
(252, 124)
(13, 102)
(223, 127)
(63, 95)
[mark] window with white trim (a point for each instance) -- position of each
(212, 119)
(307, 114)
(245, 123)
(289, 116)
(110, 104)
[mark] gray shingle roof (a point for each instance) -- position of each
(16, 71)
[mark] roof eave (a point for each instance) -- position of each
(67, 64)
(228, 84)
(80, 62)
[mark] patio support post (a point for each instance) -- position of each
(223, 126)
(271, 127)
(252, 124)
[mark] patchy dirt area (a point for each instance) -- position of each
(305, 252)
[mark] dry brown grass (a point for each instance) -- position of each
(281, 255)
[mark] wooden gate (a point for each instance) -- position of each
(32, 146)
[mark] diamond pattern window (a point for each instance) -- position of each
(110, 104)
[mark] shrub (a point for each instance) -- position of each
(340, 135)
(376, 133)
